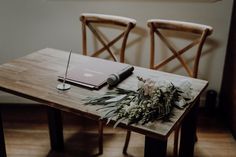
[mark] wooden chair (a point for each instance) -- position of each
(198, 31)
(96, 21)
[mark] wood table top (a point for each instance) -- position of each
(34, 76)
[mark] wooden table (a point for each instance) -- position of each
(35, 77)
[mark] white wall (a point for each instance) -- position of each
(29, 25)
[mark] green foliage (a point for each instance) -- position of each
(149, 103)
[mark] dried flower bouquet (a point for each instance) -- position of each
(152, 101)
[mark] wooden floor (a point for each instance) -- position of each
(26, 135)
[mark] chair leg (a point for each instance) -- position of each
(126, 142)
(100, 138)
(176, 142)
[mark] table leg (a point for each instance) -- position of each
(55, 129)
(188, 133)
(2, 140)
(155, 147)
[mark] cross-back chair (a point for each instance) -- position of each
(95, 21)
(200, 32)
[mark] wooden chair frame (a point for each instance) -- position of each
(202, 30)
(88, 20)
(155, 26)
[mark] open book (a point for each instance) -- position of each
(92, 72)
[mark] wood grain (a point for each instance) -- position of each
(91, 21)
(35, 77)
(203, 31)
(28, 137)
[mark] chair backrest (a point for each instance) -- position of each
(92, 21)
(200, 31)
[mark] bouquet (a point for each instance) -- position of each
(152, 101)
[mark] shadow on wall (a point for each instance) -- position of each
(140, 34)
(134, 45)
(210, 46)
(179, 41)
(135, 48)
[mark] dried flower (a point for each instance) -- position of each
(152, 101)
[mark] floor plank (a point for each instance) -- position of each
(26, 135)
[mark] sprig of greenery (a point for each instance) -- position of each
(149, 103)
